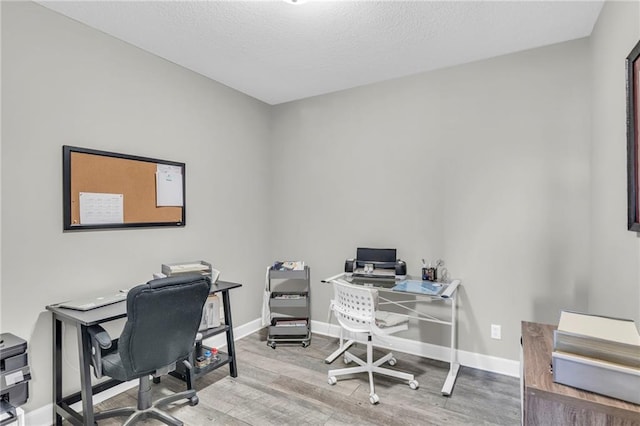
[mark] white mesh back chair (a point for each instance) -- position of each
(355, 308)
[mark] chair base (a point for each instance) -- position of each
(370, 366)
(147, 410)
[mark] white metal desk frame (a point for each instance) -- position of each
(448, 294)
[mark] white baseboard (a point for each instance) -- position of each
(493, 364)
(507, 367)
(220, 340)
(44, 415)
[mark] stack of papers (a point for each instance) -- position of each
(599, 354)
(608, 339)
(188, 267)
(289, 265)
(291, 323)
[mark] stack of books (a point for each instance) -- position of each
(599, 354)
(200, 266)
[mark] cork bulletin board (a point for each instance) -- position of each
(110, 190)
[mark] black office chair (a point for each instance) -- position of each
(163, 317)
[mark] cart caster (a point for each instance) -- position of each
(373, 399)
(193, 401)
(305, 344)
(332, 380)
(413, 384)
(272, 345)
(392, 361)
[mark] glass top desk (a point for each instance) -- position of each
(82, 320)
(447, 293)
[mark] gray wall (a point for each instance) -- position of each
(615, 252)
(64, 83)
(512, 170)
(484, 165)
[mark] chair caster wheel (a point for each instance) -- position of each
(373, 399)
(347, 360)
(413, 384)
(392, 361)
(332, 380)
(193, 401)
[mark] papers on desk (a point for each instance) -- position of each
(390, 319)
(615, 330)
(598, 354)
(420, 287)
(604, 338)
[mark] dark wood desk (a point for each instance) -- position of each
(82, 320)
(549, 403)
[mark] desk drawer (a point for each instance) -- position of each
(14, 363)
(17, 394)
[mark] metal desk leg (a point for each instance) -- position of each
(231, 349)
(189, 379)
(84, 349)
(57, 369)
(454, 366)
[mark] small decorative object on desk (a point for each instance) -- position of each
(425, 271)
(432, 271)
(444, 276)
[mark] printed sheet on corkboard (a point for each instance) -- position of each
(109, 190)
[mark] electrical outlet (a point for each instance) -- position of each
(496, 331)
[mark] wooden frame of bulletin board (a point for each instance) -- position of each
(109, 190)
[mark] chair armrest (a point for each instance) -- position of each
(99, 339)
(100, 336)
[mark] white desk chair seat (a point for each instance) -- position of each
(355, 309)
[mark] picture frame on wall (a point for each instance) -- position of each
(633, 137)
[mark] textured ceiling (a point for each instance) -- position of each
(278, 52)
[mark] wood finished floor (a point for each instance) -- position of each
(288, 386)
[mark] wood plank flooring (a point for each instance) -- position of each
(288, 386)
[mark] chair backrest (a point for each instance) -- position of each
(354, 306)
(163, 317)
